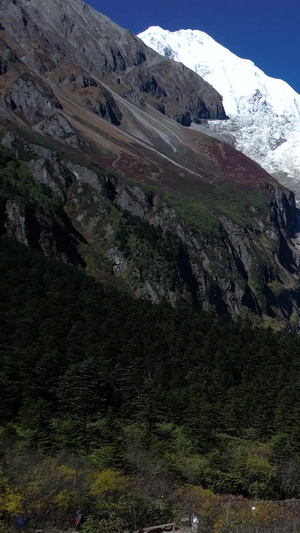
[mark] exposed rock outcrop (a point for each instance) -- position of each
(32, 99)
(15, 221)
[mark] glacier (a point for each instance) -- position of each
(263, 112)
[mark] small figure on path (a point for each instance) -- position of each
(79, 520)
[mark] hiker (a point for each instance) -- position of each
(20, 522)
(79, 519)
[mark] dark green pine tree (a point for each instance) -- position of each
(83, 397)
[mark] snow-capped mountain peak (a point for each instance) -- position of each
(264, 112)
(243, 85)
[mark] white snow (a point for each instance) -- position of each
(264, 112)
(235, 78)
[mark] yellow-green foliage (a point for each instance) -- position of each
(67, 472)
(44, 488)
(252, 463)
(108, 481)
(11, 501)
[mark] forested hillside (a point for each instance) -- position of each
(102, 393)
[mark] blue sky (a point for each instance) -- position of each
(266, 31)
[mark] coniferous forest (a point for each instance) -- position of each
(136, 412)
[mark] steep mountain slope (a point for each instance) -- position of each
(264, 112)
(53, 39)
(163, 210)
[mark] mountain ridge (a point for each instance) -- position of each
(101, 56)
(264, 112)
(236, 79)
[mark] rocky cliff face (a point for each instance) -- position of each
(143, 238)
(106, 175)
